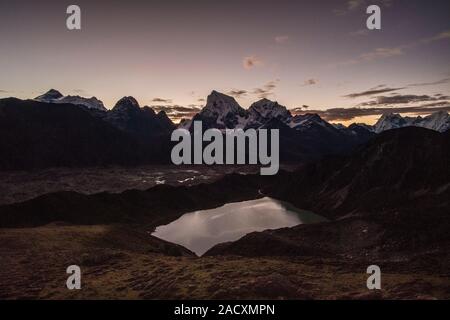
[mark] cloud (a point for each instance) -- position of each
(376, 90)
(440, 36)
(354, 4)
(281, 39)
(382, 53)
(382, 88)
(309, 82)
(402, 99)
(378, 53)
(350, 5)
(442, 81)
(251, 62)
(347, 114)
(176, 112)
(266, 90)
(162, 100)
(237, 93)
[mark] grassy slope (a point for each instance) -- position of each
(121, 262)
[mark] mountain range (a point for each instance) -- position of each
(438, 121)
(223, 112)
(57, 130)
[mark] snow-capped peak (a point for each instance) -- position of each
(438, 121)
(303, 121)
(221, 104)
(264, 110)
(91, 103)
(54, 96)
(389, 121)
(222, 111)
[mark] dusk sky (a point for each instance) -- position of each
(173, 53)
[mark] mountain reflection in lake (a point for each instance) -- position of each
(200, 230)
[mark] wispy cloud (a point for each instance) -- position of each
(376, 90)
(378, 53)
(237, 93)
(347, 114)
(350, 5)
(251, 62)
(402, 99)
(440, 36)
(382, 53)
(309, 82)
(438, 82)
(176, 112)
(266, 90)
(161, 100)
(281, 39)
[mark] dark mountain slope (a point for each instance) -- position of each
(142, 123)
(38, 135)
(396, 166)
(390, 198)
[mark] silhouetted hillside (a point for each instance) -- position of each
(38, 135)
(390, 197)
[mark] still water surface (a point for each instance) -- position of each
(201, 230)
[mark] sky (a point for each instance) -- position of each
(311, 56)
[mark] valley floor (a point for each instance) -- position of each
(17, 186)
(123, 262)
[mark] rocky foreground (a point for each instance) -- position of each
(122, 263)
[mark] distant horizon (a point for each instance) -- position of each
(294, 111)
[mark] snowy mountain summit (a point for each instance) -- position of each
(438, 121)
(264, 110)
(222, 112)
(54, 96)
